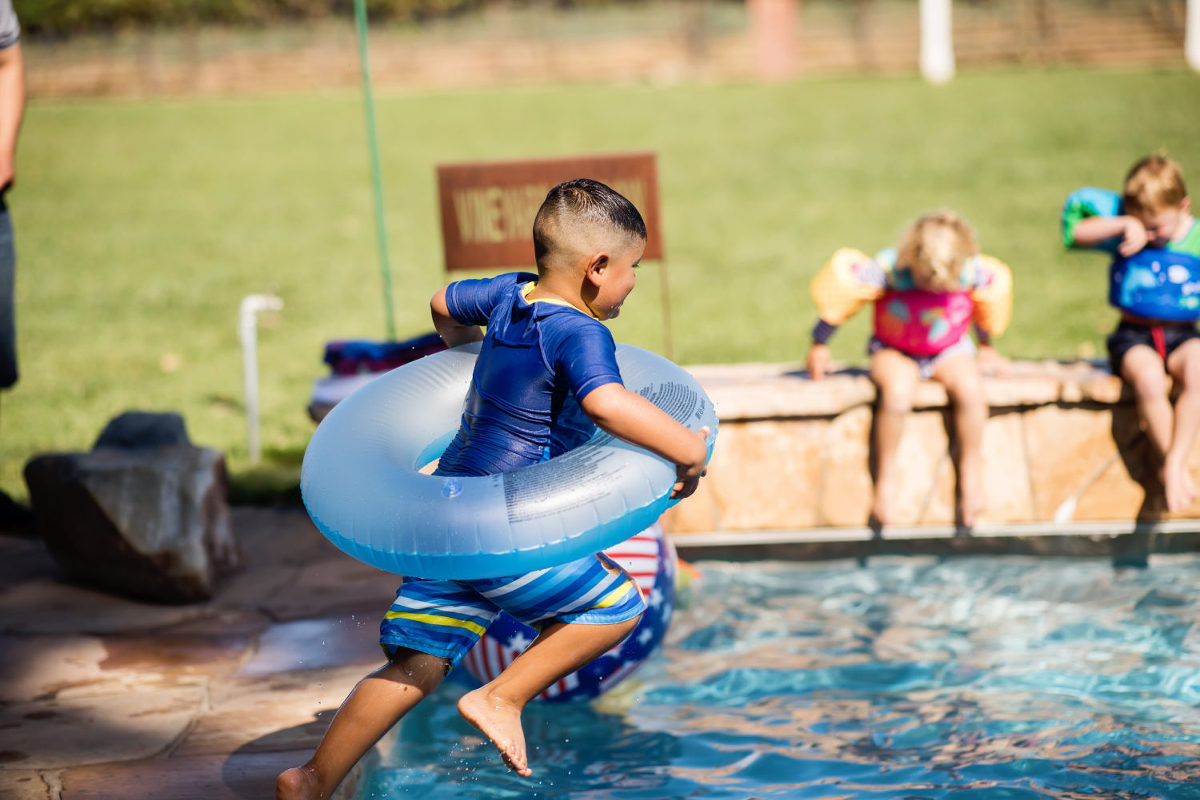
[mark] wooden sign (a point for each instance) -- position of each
(488, 207)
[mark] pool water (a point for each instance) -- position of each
(898, 678)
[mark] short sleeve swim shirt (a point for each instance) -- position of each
(538, 360)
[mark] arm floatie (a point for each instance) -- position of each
(992, 295)
(844, 284)
(1089, 202)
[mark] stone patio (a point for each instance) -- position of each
(102, 697)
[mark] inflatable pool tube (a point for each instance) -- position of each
(362, 485)
(649, 558)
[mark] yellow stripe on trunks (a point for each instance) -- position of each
(616, 595)
(435, 619)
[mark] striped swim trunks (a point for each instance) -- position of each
(445, 618)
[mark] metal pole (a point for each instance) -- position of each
(937, 47)
(360, 20)
(248, 334)
(1191, 42)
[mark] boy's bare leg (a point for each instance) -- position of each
(1145, 373)
(896, 376)
(1143, 370)
(964, 384)
(560, 649)
(1184, 366)
(372, 708)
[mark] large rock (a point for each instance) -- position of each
(144, 514)
(140, 430)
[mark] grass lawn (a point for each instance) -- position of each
(141, 225)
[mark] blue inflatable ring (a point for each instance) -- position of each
(362, 485)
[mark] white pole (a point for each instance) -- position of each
(1191, 41)
(937, 49)
(248, 334)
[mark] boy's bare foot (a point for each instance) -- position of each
(971, 497)
(875, 525)
(1177, 481)
(881, 511)
(500, 721)
(298, 783)
(970, 506)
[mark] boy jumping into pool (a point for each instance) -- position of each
(547, 365)
(927, 293)
(1159, 301)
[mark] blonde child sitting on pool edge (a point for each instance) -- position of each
(546, 362)
(927, 292)
(1152, 340)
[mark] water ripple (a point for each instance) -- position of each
(982, 678)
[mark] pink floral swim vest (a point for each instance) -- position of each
(917, 321)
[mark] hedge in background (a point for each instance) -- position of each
(58, 18)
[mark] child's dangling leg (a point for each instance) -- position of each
(1184, 366)
(1143, 370)
(896, 376)
(964, 384)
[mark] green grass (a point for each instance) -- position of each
(141, 225)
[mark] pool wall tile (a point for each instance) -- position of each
(785, 482)
(846, 486)
(1006, 468)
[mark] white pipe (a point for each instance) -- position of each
(248, 334)
(937, 47)
(1191, 40)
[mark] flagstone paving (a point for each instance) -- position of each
(106, 697)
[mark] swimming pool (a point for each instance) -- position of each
(980, 677)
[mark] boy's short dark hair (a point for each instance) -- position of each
(585, 200)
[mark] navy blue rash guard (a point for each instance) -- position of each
(538, 360)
